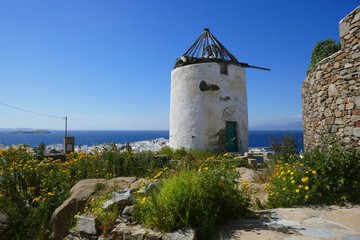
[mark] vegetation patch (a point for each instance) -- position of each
(196, 199)
(329, 174)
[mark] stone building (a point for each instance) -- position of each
(331, 91)
(208, 105)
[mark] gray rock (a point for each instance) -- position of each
(349, 106)
(4, 222)
(327, 113)
(87, 224)
(356, 132)
(80, 194)
(188, 234)
(357, 101)
(332, 90)
(339, 121)
(126, 197)
(128, 210)
(348, 130)
(133, 232)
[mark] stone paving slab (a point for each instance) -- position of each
(328, 223)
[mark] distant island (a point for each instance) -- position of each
(35, 131)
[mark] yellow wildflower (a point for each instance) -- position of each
(158, 174)
(304, 179)
(284, 188)
(297, 190)
(293, 181)
(313, 172)
(227, 154)
(306, 196)
(37, 199)
(306, 187)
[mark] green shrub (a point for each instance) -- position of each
(193, 199)
(329, 174)
(30, 190)
(291, 184)
(338, 172)
(322, 50)
(105, 217)
(31, 187)
(284, 147)
(185, 154)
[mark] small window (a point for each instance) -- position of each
(223, 68)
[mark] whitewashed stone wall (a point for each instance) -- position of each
(202, 100)
(331, 91)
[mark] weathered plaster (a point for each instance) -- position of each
(198, 117)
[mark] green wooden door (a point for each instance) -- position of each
(231, 137)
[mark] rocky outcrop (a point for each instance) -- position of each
(4, 222)
(80, 194)
(124, 227)
(331, 91)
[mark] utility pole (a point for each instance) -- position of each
(65, 126)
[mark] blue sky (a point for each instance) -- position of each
(106, 64)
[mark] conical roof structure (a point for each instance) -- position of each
(208, 49)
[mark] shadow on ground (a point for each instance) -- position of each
(261, 221)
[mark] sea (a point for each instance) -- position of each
(257, 138)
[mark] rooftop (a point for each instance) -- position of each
(208, 49)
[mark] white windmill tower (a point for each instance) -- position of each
(208, 105)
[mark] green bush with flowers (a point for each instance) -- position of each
(292, 183)
(328, 174)
(192, 198)
(31, 187)
(30, 190)
(338, 172)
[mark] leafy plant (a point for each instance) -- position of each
(284, 147)
(106, 217)
(338, 171)
(291, 184)
(329, 174)
(193, 199)
(31, 187)
(30, 190)
(322, 50)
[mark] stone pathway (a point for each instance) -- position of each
(304, 223)
(328, 223)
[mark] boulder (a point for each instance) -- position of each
(134, 232)
(87, 224)
(123, 198)
(188, 234)
(4, 222)
(80, 194)
(128, 210)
